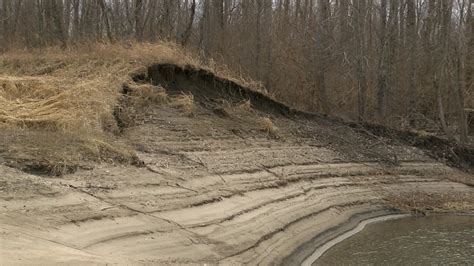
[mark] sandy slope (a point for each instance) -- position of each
(207, 194)
(217, 189)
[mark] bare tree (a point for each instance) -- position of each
(412, 46)
(382, 79)
(322, 46)
(105, 12)
(187, 32)
(361, 10)
(138, 19)
(382, 61)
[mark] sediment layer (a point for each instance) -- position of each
(219, 189)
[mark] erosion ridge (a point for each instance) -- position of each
(216, 187)
(205, 84)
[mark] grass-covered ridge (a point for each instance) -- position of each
(57, 105)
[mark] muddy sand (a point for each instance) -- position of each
(220, 186)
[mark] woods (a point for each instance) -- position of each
(403, 63)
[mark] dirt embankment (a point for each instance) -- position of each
(229, 176)
(207, 86)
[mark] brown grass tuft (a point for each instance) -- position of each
(51, 104)
(422, 202)
(144, 94)
(71, 89)
(184, 102)
(265, 124)
(76, 93)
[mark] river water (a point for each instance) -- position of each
(434, 240)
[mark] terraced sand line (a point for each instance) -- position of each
(250, 226)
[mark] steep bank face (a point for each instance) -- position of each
(205, 85)
(219, 186)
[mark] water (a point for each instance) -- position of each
(435, 240)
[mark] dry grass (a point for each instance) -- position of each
(422, 202)
(144, 94)
(76, 92)
(79, 88)
(266, 124)
(66, 100)
(184, 102)
(73, 89)
(49, 103)
(137, 101)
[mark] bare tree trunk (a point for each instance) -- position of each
(259, 39)
(105, 13)
(343, 24)
(15, 16)
(55, 12)
(151, 19)
(322, 47)
(382, 65)
(217, 27)
(205, 41)
(167, 20)
(75, 23)
(412, 44)
(360, 69)
(5, 14)
(445, 8)
(138, 20)
(460, 92)
(67, 19)
(392, 44)
(470, 47)
(441, 114)
(460, 85)
(268, 26)
(187, 32)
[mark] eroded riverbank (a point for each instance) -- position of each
(216, 185)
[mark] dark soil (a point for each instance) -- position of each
(207, 87)
(454, 154)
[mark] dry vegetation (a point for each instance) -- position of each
(53, 85)
(73, 96)
(423, 203)
(56, 106)
(266, 124)
(184, 102)
(77, 89)
(144, 94)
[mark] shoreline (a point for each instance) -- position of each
(319, 251)
(311, 251)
